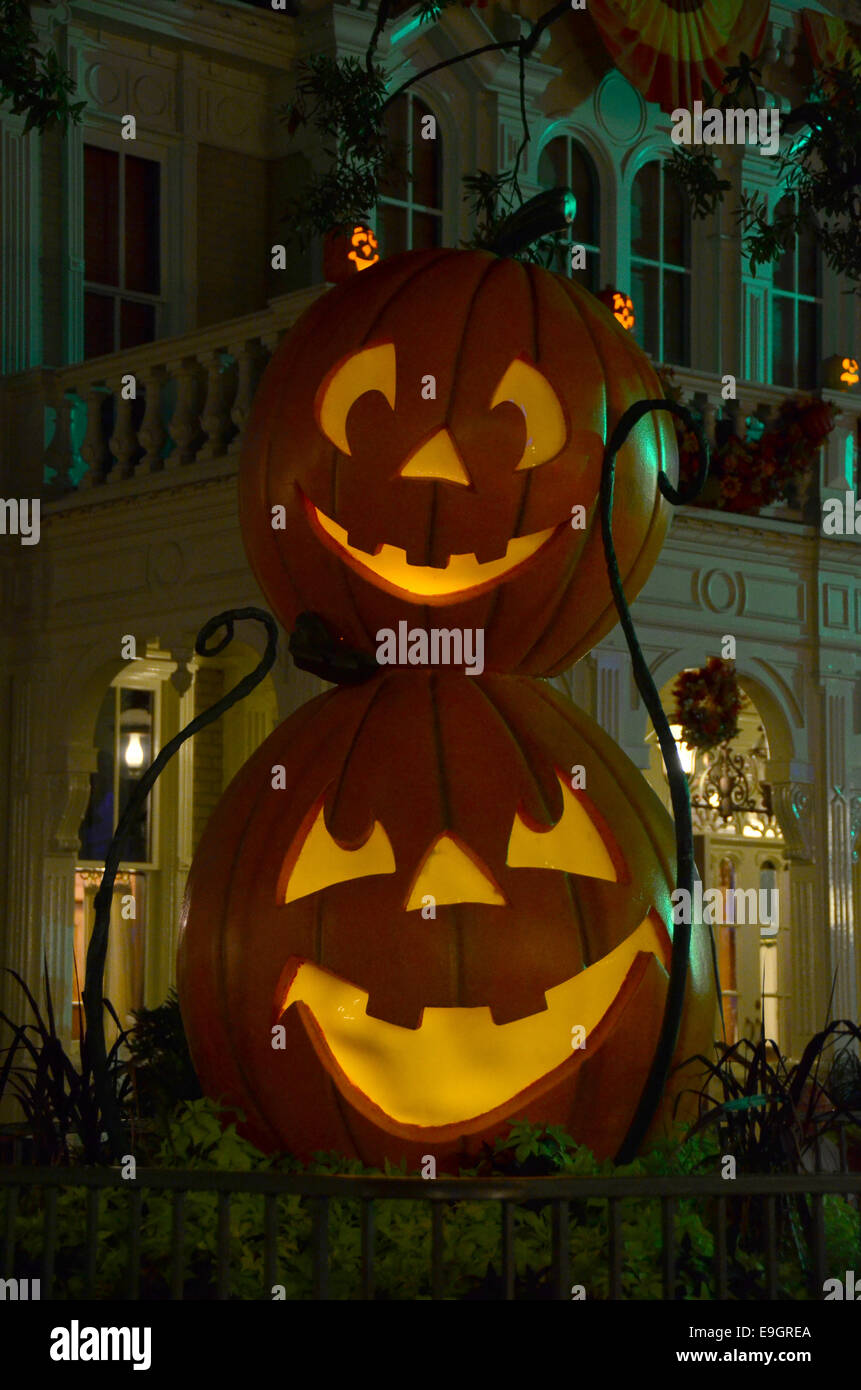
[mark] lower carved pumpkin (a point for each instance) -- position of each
(407, 913)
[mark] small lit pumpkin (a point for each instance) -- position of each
(426, 445)
(345, 253)
(849, 371)
(620, 305)
(428, 904)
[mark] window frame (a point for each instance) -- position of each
(797, 296)
(127, 680)
(409, 205)
(593, 251)
(142, 149)
(661, 265)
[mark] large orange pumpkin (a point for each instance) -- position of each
(426, 445)
(404, 909)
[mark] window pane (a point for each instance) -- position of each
(97, 827)
(427, 231)
(784, 267)
(809, 263)
(98, 324)
(135, 756)
(101, 215)
(584, 185)
(553, 164)
(677, 223)
(782, 341)
(644, 292)
(809, 350)
(426, 161)
(393, 183)
(142, 225)
(645, 212)
(137, 323)
(676, 337)
(392, 229)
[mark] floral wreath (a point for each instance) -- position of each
(746, 474)
(708, 702)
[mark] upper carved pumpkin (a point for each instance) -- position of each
(422, 440)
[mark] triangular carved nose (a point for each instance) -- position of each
(437, 458)
(448, 874)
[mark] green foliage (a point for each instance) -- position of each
(492, 198)
(821, 168)
(29, 80)
(160, 1066)
(196, 1139)
(342, 98)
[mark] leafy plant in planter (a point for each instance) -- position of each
(160, 1067)
(58, 1098)
(771, 1117)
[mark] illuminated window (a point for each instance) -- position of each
(727, 963)
(768, 962)
(122, 250)
(565, 164)
(409, 211)
(661, 265)
(796, 310)
(125, 737)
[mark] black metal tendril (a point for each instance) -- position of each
(679, 792)
(95, 969)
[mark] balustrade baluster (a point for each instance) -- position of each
(184, 427)
(152, 434)
(215, 416)
(251, 358)
(123, 441)
(94, 449)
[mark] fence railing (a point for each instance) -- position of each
(558, 1192)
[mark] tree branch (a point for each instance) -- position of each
(381, 21)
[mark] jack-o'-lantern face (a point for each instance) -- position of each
(427, 445)
(433, 949)
(363, 250)
(849, 371)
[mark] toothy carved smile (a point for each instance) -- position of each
(462, 575)
(458, 1063)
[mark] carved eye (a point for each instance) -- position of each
(574, 844)
(317, 860)
(545, 422)
(372, 369)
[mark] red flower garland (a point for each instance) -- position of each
(746, 474)
(707, 704)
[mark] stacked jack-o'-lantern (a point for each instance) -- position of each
(428, 926)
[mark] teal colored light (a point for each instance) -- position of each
(407, 30)
(849, 459)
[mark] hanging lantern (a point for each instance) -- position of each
(345, 253)
(620, 305)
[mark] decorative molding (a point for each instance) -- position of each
(793, 804)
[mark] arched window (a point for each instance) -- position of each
(565, 164)
(409, 210)
(796, 309)
(661, 265)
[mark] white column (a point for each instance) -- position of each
(73, 232)
(20, 248)
(837, 740)
(793, 800)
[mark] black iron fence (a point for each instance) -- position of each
(560, 1193)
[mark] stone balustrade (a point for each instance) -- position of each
(84, 428)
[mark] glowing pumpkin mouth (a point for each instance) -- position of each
(389, 568)
(458, 1064)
